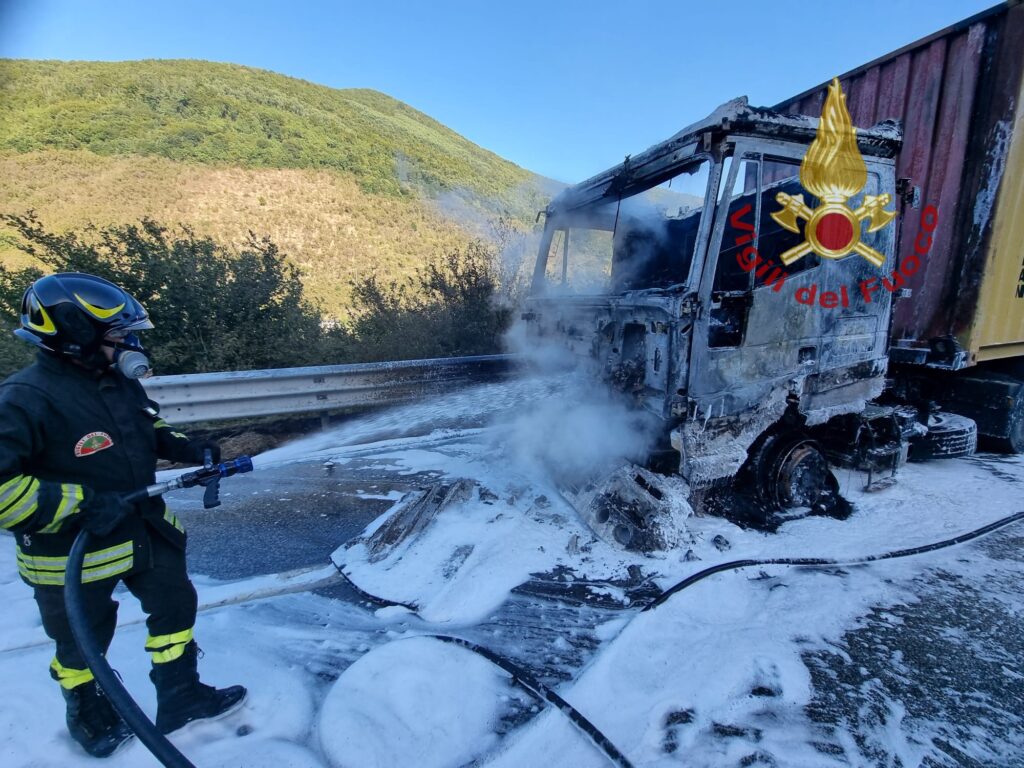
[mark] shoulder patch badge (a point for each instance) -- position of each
(94, 442)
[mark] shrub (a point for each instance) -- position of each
(213, 308)
(448, 308)
(14, 353)
(217, 308)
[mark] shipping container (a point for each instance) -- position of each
(959, 94)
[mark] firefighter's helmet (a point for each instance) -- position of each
(69, 313)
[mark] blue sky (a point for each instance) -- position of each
(562, 88)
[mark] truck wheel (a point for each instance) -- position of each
(949, 436)
(791, 471)
(1014, 441)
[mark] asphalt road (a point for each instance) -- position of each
(942, 678)
(283, 518)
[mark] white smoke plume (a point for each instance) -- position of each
(577, 431)
(580, 426)
(574, 434)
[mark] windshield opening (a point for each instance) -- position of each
(645, 241)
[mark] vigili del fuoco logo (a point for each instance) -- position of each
(833, 170)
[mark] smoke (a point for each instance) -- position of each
(577, 431)
(574, 434)
(516, 254)
(505, 221)
(560, 423)
(643, 241)
(512, 242)
(579, 427)
(585, 428)
(464, 208)
(468, 408)
(655, 236)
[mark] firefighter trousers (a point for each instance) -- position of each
(164, 589)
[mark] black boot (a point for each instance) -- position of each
(93, 722)
(181, 698)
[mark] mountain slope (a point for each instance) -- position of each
(229, 114)
(330, 228)
(345, 181)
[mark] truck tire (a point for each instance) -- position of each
(790, 470)
(950, 436)
(1014, 441)
(993, 397)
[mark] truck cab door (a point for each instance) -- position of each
(767, 332)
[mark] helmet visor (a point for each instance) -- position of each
(139, 325)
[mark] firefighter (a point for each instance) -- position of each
(76, 432)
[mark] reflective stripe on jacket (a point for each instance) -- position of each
(99, 564)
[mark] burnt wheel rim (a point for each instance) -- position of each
(799, 476)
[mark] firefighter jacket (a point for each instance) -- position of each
(65, 433)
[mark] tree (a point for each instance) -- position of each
(448, 308)
(14, 353)
(216, 308)
(213, 308)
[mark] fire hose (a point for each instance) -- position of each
(209, 477)
(807, 562)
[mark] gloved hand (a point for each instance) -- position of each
(104, 511)
(195, 448)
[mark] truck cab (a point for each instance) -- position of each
(665, 275)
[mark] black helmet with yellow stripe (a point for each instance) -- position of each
(69, 313)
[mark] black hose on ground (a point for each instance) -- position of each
(119, 697)
(689, 581)
(523, 679)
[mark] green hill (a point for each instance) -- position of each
(344, 180)
(225, 114)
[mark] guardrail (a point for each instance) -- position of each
(241, 394)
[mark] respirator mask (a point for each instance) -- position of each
(130, 357)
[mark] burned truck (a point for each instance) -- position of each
(836, 280)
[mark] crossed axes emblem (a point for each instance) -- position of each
(833, 230)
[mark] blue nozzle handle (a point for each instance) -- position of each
(235, 466)
(191, 479)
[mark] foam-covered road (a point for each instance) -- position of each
(908, 663)
(912, 662)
